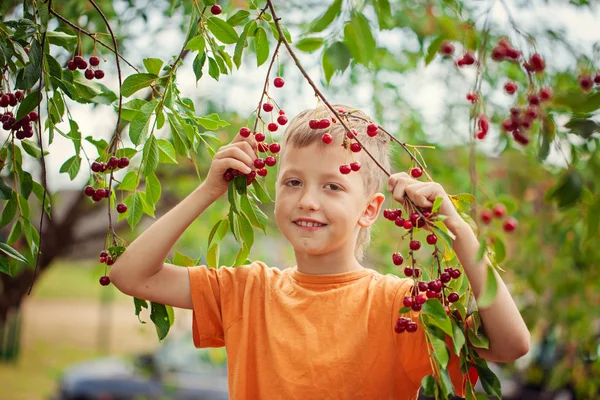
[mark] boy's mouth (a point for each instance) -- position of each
(309, 224)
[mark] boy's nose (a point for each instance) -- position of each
(308, 201)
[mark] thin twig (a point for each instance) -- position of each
(80, 29)
(266, 84)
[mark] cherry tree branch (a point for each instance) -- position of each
(266, 83)
(91, 35)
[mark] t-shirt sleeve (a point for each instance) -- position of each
(412, 348)
(217, 295)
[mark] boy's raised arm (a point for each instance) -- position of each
(141, 271)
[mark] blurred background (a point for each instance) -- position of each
(72, 338)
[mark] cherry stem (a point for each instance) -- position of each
(92, 35)
(266, 84)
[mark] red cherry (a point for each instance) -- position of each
(71, 65)
(546, 93)
(510, 87)
(110, 261)
(416, 172)
(355, 166)
(397, 259)
(327, 138)
(259, 163)
(123, 162)
(216, 9)
(423, 286)
(113, 162)
(345, 169)
(96, 167)
(408, 271)
(121, 208)
(533, 99)
(260, 137)
(228, 175)
(104, 280)
(274, 147)
(455, 273)
(352, 134)
(585, 82)
(94, 61)
(415, 245)
(519, 137)
(244, 132)
(408, 301)
(431, 239)
(313, 124)
(281, 112)
(445, 277)
(510, 224)
(372, 130)
(268, 107)
(486, 216)
(33, 116)
(77, 59)
(270, 161)
(421, 298)
(407, 224)
(89, 191)
(447, 48)
(597, 78)
(250, 177)
(262, 172)
(99, 74)
(89, 74)
(399, 221)
(537, 63)
(484, 124)
(499, 210)
(324, 123)
(282, 120)
(411, 327)
(355, 147)
(272, 127)
(431, 294)
(453, 297)
(104, 253)
(82, 65)
(278, 82)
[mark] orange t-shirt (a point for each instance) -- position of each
(291, 335)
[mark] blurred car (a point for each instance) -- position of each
(174, 371)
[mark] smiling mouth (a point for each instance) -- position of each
(304, 224)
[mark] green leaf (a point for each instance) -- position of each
(153, 188)
(593, 218)
(26, 184)
(9, 251)
(211, 122)
(222, 30)
(29, 104)
(577, 102)
(246, 230)
(499, 249)
(261, 193)
(212, 256)
(567, 190)
(31, 148)
(327, 18)
(4, 265)
(138, 129)
(5, 190)
(130, 181)
(153, 65)
(213, 68)
(150, 156)
(130, 109)
(134, 209)
(440, 350)
(491, 287)
(360, 40)
(198, 64)
(463, 201)
(38, 190)
(583, 127)
(437, 204)
(478, 340)
(489, 381)
(232, 197)
(429, 385)
(385, 17)
(262, 46)
(139, 304)
(310, 44)
(180, 140)
(434, 309)
(238, 18)
(196, 44)
(285, 31)
(71, 166)
(136, 82)
(166, 153)
(15, 232)
(183, 260)
(242, 255)
(160, 316)
(239, 48)
(9, 212)
(335, 58)
(446, 384)
(61, 39)
(547, 135)
(442, 234)
(458, 339)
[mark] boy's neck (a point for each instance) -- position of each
(326, 264)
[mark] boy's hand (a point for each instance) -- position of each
(238, 155)
(423, 194)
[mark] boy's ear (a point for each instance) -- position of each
(371, 212)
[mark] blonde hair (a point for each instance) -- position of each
(299, 134)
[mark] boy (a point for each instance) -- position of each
(323, 329)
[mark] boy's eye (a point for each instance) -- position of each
(293, 182)
(334, 187)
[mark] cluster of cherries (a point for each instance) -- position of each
(269, 160)
(509, 224)
(586, 82)
(324, 123)
(104, 193)
(23, 128)
(79, 63)
(105, 258)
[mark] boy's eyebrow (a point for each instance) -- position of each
(337, 176)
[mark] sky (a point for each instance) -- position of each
(241, 90)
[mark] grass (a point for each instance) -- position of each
(72, 280)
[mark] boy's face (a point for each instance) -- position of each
(310, 186)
